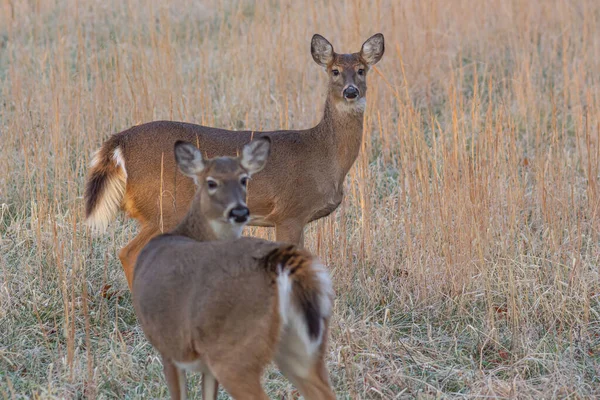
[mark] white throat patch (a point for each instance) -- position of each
(226, 230)
(354, 107)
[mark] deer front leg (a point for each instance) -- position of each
(290, 231)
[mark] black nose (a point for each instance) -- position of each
(351, 92)
(239, 214)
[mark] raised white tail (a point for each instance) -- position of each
(105, 187)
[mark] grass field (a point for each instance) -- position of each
(465, 254)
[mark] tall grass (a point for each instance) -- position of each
(465, 254)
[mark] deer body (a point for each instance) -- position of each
(274, 195)
(303, 181)
(226, 308)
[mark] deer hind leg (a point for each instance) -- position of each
(240, 383)
(239, 368)
(128, 254)
(313, 383)
(210, 386)
(307, 372)
(175, 378)
(290, 231)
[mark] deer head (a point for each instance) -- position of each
(221, 195)
(348, 72)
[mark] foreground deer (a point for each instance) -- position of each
(134, 170)
(227, 308)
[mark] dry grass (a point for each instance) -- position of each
(465, 254)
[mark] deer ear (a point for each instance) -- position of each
(321, 50)
(255, 154)
(372, 50)
(189, 159)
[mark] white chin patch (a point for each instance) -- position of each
(236, 231)
(229, 230)
(352, 106)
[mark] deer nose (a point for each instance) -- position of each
(239, 214)
(351, 92)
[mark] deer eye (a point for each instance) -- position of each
(212, 184)
(244, 181)
(335, 72)
(361, 71)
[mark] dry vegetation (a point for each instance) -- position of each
(465, 254)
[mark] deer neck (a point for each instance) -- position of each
(195, 225)
(344, 124)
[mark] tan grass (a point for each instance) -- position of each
(465, 254)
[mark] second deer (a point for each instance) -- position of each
(227, 308)
(135, 171)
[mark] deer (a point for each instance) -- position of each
(226, 308)
(302, 182)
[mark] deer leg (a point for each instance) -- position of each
(241, 384)
(290, 231)
(210, 386)
(308, 374)
(301, 240)
(176, 381)
(312, 382)
(128, 254)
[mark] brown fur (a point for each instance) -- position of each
(302, 182)
(216, 305)
(217, 302)
(211, 205)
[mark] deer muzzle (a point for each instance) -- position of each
(239, 214)
(351, 92)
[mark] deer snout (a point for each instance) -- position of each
(239, 214)
(351, 92)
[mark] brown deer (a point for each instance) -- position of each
(227, 308)
(303, 181)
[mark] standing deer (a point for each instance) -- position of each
(227, 308)
(302, 182)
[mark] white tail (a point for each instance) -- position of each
(106, 187)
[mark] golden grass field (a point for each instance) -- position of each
(465, 254)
